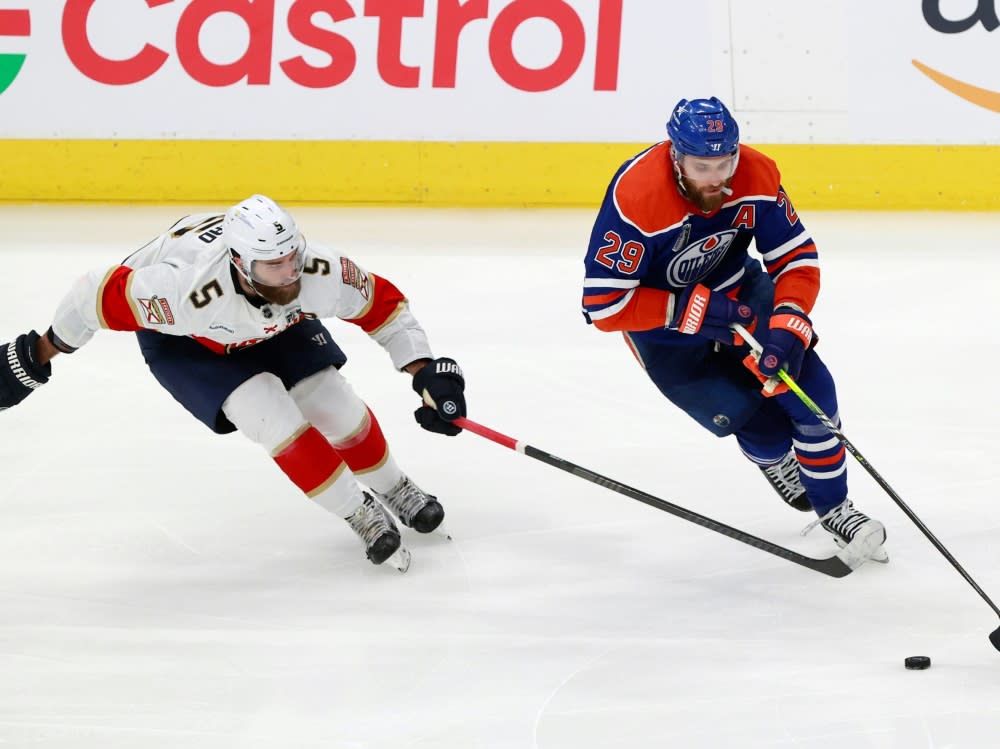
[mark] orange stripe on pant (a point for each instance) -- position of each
(365, 450)
(310, 462)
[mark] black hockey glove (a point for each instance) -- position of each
(19, 374)
(440, 382)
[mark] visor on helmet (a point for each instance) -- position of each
(282, 271)
(706, 169)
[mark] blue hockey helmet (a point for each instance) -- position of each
(703, 128)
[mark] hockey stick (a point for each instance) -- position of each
(839, 565)
(835, 431)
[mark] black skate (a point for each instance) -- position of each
(860, 537)
(784, 477)
(414, 507)
(379, 534)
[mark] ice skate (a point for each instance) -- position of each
(784, 477)
(860, 538)
(379, 534)
(414, 507)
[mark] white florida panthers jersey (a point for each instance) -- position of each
(183, 283)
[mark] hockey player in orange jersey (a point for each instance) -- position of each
(668, 267)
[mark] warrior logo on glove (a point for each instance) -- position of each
(20, 375)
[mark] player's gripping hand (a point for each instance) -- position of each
(789, 336)
(19, 372)
(441, 385)
(701, 311)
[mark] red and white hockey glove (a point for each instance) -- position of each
(701, 311)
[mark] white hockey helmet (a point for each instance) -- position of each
(260, 231)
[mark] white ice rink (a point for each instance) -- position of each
(162, 587)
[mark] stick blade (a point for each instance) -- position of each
(995, 638)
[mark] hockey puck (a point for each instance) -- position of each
(917, 662)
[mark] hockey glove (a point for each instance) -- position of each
(19, 373)
(789, 336)
(441, 385)
(701, 311)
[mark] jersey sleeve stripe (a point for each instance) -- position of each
(804, 263)
(613, 309)
(386, 303)
(599, 299)
(610, 283)
(115, 308)
(805, 252)
(799, 239)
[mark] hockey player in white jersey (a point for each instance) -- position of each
(227, 311)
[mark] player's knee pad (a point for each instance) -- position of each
(263, 411)
(328, 401)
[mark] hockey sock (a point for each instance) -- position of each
(319, 471)
(266, 414)
(367, 454)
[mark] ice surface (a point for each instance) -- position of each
(164, 587)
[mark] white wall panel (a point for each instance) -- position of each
(794, 71)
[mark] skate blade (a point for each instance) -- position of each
(442, 531)
(400, 559)
(868, 548)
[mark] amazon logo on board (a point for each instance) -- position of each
(986, 14)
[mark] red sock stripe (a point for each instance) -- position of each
(817, 462)
(310, 462)
(365, 450)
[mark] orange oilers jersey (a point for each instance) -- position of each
(649, 243)
(183, 283)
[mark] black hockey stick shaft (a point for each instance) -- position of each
(842, 438)
(832, 566)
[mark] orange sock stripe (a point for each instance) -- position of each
(310, 462)
(828, 461)
(365, 450)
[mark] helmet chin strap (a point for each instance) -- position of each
(678, 174)
(246, 276)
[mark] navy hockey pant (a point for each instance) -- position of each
(201, 380)
(721, 394)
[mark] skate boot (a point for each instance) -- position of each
(414, 507)
(784, 477)
(379, 534)
(860, 537)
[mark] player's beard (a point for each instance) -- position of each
(279, 294)
(707, 203)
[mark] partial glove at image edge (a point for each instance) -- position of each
(20, 374)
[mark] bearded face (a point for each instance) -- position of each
(279, 294)
(707, 197)
(278, 281)
(705, 181)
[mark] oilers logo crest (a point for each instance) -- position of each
(697, 260)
